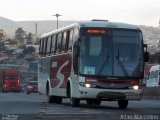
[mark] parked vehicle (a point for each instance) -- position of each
(10, 80)
(32, 87)
(154, 77)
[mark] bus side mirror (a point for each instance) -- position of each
(146, 54)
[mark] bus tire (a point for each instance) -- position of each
(122, 104)
(50, 99)
(58, 100)
(74, 102)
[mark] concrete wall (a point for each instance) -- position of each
(151, 92)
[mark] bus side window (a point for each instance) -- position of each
(56, 36)
(53, 44)
(67, 40)
(44, 46)
(59, 40)
(48, 45)
(40, 47)
(64, 41)
(70, 40)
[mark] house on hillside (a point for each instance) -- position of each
(2, 35)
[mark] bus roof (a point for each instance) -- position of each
(94, 23)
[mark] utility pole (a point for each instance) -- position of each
(57, 15)
(36, 28)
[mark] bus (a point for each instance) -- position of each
(94, 61)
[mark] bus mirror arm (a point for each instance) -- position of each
(146, 54)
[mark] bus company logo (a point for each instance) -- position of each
(60, 76)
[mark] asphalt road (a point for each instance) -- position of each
(20, 106)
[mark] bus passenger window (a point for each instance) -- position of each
(45, 48)
(67, 40)
(48, 45)
(40, 46)
(53, 44)
(64, 42)
(70, 40)
(55, 51)
(59, 42)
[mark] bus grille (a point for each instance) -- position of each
(111, 95)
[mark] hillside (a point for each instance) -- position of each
(42, 26)
(9, 26)
(151, 34)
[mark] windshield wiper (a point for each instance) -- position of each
(122, 65)
(104, 63)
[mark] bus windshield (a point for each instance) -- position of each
(111, 52)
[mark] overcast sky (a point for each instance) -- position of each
(140, 12)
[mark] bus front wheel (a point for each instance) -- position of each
(50, 98)
(58, 100)
(74, 102)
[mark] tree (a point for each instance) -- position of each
(29, 38)
(29, 50)
(20, 35)
(14, 42)
(2, 46)
(1, 37)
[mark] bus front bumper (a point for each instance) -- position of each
(110, 94)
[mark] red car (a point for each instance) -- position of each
(32, 87)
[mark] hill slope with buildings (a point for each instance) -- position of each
(151, 34)
(9, 26)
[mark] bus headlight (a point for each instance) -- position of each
(135, 87)
(88, 85)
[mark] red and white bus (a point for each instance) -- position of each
(93, 61)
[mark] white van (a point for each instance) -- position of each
(154, 77)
